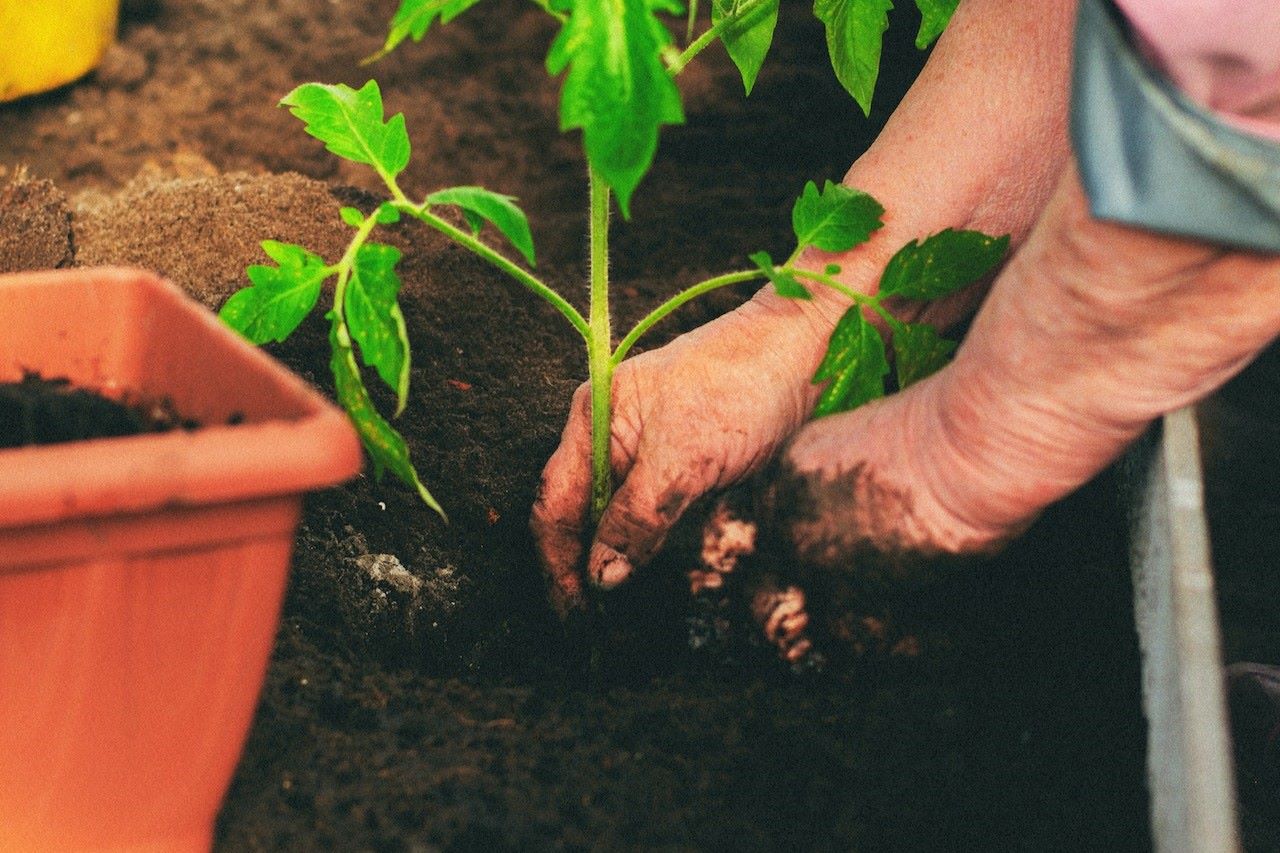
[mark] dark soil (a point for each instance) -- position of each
(422, 695)
(36, 410)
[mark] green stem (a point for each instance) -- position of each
(526, 278)
(697, 46)
(660, 313)
(347, 262)
(862, 299)
(693, 18)
(599, 344)
(743, 8)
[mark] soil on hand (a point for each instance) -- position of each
(37, 410)
(421, 694)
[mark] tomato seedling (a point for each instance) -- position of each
(619, 63)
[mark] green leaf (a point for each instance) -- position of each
(855, 365)
(387, 214)
(784, 282)
(838, 219)
(918, 352)
(386, 447)
(351, 216)
(350, 124)
(279, 297)
(855, 31)
(748, 34)
(941, 265)
(832, 269)
(480, 205)
(617, 90)
(414, 18)
(375, 318)
(934, 16)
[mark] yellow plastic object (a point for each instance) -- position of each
(46, 43)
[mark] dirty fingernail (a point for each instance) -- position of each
(607, 566)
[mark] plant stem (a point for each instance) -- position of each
(599, 349)
(526, 278)
(862, 299)
(693, 18)
(658, 314)
(697, 46)
(740, 11)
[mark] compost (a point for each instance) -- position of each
(37, 410)
(422, 695)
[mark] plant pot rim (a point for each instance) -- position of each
(314, 447)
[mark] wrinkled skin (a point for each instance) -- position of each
(1090, 332)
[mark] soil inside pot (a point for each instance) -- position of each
(37, 410)
(421, 694)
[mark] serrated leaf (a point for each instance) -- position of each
(854, 366)
(279, 297)
(385, 446)
(414, 18)
(617, 89)
(748, 34)
(941, 265)
(855, 33)
(375, 319)
(480, 205)
(934, 17)
(349, 123)
(784, 282)
(837, 219)
(351, 216)
(919, 352)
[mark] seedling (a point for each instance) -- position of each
(619, 65)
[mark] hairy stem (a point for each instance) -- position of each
(599, 349)
(660, 313)
(526, 278)
(740, 11)
(862, 299)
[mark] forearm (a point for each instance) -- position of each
(979, 140)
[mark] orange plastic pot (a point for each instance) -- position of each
(141, 577)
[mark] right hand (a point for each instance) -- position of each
(698, 414)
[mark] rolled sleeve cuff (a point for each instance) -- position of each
(1151, 157)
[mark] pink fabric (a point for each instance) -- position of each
(1224, 54)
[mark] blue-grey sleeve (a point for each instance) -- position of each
(1151, 158)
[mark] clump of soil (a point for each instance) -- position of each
(35, 225)
(37, 410)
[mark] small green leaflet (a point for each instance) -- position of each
(386, 215)
(855, 365)
(934, 16)
(480, 205)
(385, 446)
(350, 124)
(855, 31)
(748, 34)
(375, 319)
(414, 17)
(617, 90)
(918, 352)
(837, 220)
(784, 282)
(942, 264)
(280, 297)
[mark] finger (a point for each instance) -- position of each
(638, 519)
(559, 518)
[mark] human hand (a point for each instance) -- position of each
(695, 415)
(1091, 332)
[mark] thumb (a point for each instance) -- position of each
(638, 519)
